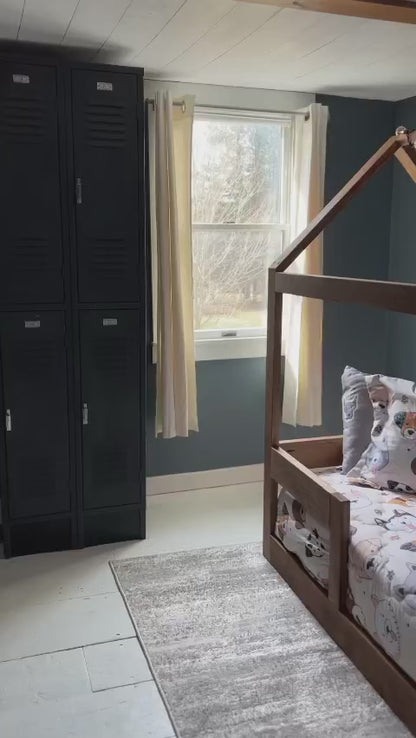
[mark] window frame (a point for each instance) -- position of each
(214, 344)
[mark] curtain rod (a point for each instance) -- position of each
(181, 103)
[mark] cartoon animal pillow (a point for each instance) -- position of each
(389, 462)
(357, 416)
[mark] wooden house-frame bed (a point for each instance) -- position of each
(289, 463)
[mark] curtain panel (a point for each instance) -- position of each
(176, 400)
(303, 317)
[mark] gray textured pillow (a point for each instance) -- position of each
(357, 416)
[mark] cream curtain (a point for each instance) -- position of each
(176, 402)
(302, 317)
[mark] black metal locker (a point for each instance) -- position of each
(71, 250)
(110, 409)
(106, 186)
(31, 251)
(35, 402)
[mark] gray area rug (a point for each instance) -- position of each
(237, 655)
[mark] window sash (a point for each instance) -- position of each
(204, 334)
(217, 336)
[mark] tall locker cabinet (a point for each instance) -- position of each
(109, 292)
(72, 305)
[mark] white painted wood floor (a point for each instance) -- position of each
(70, 664)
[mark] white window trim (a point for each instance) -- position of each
(218, 349)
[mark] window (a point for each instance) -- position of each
(240, 181)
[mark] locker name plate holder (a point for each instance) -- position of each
(105, 86)
(21, 79)
(110, 321)
(32, 323)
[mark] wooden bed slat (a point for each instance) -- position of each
(315, 452)
(386, 677)
(397, 296)
(314, 495)
(339, 533)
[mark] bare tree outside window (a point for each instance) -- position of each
(239, 217)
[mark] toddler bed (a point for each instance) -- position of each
(348, 551)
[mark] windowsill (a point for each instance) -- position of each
(218, 349)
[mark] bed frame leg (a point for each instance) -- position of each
(273, 406)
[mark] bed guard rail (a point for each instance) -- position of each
(330, 508)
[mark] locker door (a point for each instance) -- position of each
(110, 400)
(34, 373)
(31, 239)
(106, 181)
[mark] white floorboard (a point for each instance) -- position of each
(50, 603)
(42, 679)
(127, 712)
(56, 576)
(116, 664)
(55, 626)
(197, 519)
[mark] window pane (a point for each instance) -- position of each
(237, 171)
(230, 277)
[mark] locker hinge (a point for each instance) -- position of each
(8, 420)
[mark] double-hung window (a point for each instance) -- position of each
(240, 213)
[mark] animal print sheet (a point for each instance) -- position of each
(382, 560)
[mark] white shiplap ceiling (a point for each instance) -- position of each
(227, 42)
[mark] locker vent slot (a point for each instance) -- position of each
(30, 254)
(105, 125)
(113, 357)
(23, 120)
(35, 359)
(109, 257)
(109, 464)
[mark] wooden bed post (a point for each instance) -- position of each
(273, 405)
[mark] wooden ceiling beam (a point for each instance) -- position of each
(400, 11)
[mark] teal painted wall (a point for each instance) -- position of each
(402, 268)
(231, 393)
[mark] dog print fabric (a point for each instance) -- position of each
(389, 462)
(382, 559)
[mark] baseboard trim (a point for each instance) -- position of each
(204, 479)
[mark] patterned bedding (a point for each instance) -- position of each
(382, 560)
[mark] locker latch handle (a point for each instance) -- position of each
(78, 190)
(85, 414)
(8, 420)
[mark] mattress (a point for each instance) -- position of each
(381, 565)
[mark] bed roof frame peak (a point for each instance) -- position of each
(402, 145)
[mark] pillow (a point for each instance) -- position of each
(357, 417)
(389, 462)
